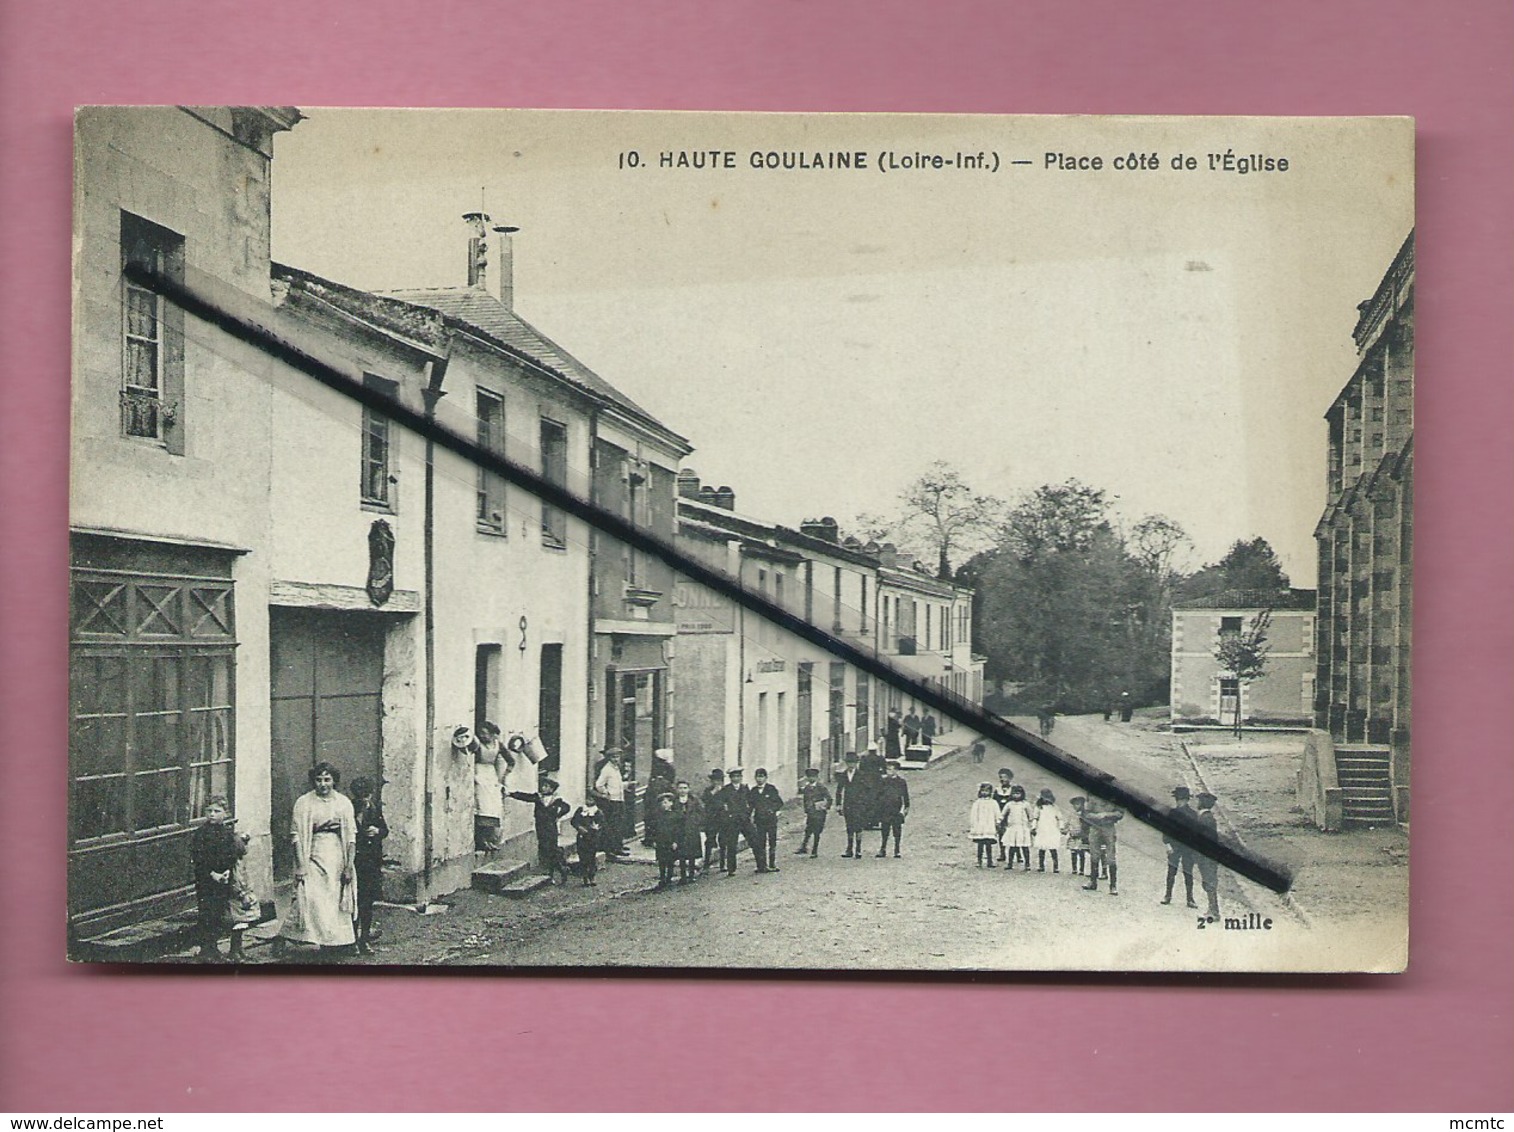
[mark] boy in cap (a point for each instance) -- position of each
(767, 804)
(893, 805)
(690, 823)
(547, 810)
(817, 803)
(1179, 855)
(1209, 870)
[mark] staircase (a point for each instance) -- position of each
(1366, 785)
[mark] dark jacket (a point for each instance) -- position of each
(691, 824)
(736, 806)
(664, 826)
(370, 849)
(766, 804)
(214, 848)
(545, 812)
(893, 797)
(589, 826)
(817, 799)
(713, 803)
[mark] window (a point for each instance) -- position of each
(490, 408)
(836, 600)
(151, 681)
(554, 469)
(1230, 625)
(378, 481)
(152, 336)
(486, 667)
(862, 615)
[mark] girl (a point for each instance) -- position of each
(1017, 822)
(1048, 831)
(983, 824)
(1077, 836)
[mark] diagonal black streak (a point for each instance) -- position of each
(963, 711)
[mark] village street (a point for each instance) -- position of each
(932, 909)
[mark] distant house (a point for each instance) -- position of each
(1203, 691)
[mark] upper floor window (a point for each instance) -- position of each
(152, 336)
(377, 488)
(490, 409)
(554, 469)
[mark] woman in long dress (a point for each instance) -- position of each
(325, 849)
(491, 766)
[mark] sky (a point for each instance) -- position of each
(820, 336)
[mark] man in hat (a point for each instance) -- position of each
(1179, 855)
(817, 803)
(736, 813)
(893, 805)
(1209, 870)
(912, 725)
(1101, 818)
(714, 816)
(610, 793)
(846, 787)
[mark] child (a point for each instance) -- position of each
(548, 810)
(1001, 796)
(662, 828)
(1017, 821)
(983, 824)
(369, 859)
(1048, 831)
(688, 823)
(817, 803)
(214, 850)
(589, 821)
(1077, 837)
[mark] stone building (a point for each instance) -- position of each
(1205, 692)
(1364, 537)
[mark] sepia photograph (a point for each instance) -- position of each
(739, 542)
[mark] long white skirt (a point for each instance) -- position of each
(323, 906)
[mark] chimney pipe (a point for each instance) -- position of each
(506, 264)
(688, 484)
(725, 497)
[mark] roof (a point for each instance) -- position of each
(1252, 599)
(480, 312)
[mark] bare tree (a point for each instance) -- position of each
(948, 514)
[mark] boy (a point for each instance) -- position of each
(214, 850)
(1102, 818)
(690, 825)
(817, 803)
(1077, 836)
(893, 805)
(735, 801)
(1180, 856)
(1209, 870)
(369, 859)
(589, 821)
(662, 829)
(548, 810)
(766, 805)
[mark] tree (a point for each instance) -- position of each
(1244, 655)
(941, 510)
(1247, 567)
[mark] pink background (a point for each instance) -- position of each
(1440, 1037)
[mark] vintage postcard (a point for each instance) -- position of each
(741, 541)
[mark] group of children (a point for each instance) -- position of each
(1003, 820)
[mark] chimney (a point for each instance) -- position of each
(725, 497)
(707, 495)
(825, 528)
(888, 554)
(506, 294)
(688, 484)
(478, 249)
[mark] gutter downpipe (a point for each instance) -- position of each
(430, 395)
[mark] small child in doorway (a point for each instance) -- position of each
(983, 824)
(369, 862)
